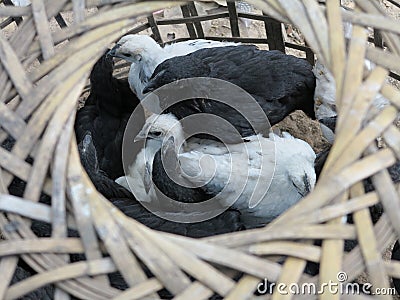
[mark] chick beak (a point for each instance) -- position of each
(113, 51)
(141, 136)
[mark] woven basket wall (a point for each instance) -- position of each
(38, 102)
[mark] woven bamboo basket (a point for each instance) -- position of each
(40, 85)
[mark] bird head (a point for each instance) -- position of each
(161, 128)
(297, 158)
(133, 47)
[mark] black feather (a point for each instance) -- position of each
(171, 188)
(329, 122)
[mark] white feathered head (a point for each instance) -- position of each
(162, 127)
(134, 47)
(296, 160)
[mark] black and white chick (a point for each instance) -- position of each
(145, 54)
(260, 177)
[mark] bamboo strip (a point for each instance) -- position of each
(158, 263)
(244, 289)
(292, 270)
(26, 208)
(43, 28)
(95, 267)
(298, 250)
(186, 260)
(14, 11)
(78, 195)
(297, 14)
(11, 122)
(242, 238)
(48, 142)
(42, 245)
(7, 269)
(392, 139)
(367, 242)
(141, 290)
(14, 69)
(59, 214)
(109, 232)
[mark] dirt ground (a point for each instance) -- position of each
(302, 127)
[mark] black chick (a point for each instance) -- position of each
(106, 114)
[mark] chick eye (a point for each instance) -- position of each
(156, 133)
(127, 54)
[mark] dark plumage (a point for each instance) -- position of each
(106, 186)
(105, 115)
(329, 122)
(280, 83)
(166, 159)
(228, 221)
(320, 161)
